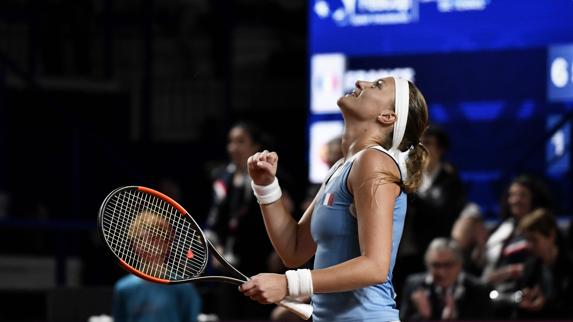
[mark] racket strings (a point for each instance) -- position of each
(153, 241)
(177, 248)
(177, 242)
(153, 204)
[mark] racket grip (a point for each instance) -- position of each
(303, 310)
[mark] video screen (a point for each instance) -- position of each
(497, 75)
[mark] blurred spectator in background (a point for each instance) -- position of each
(547, 281)
(433, 208)
(471, 234)
(445, 291)
(333, 151)
(235, 225)
(330, 153)
(135, 299)
(506, 248)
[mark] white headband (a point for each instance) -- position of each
(401, 108)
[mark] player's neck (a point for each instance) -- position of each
(354, 142)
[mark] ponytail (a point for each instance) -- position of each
(417, 153)
(415, 164)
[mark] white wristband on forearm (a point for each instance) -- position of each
(267, 194)
(299, 282)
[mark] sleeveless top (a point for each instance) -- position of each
(335, 231)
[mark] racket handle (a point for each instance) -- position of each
(301, 309)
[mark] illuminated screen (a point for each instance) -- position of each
(497, 75)
(389, 27)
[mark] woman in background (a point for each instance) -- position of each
(233, 224)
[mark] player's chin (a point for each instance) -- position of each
(343, 101)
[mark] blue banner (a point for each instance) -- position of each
(386, 27)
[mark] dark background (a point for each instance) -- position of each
(96, 94)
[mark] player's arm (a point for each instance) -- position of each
(291, 239)
(374, 199)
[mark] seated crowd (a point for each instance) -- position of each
(517, 267)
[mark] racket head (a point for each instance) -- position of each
(152, 236)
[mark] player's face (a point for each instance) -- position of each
(519, 200)
(369, 99)
(444, 267)
(240, 146)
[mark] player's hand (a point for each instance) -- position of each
(263, 167)
(266, 288)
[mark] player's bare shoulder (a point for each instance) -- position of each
(371, 168)
(373, 160)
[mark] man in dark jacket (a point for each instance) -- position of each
(444, 292)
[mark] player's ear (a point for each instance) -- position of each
(386, 118)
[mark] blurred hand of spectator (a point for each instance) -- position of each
(449, 311)
(508, 272)
(532, 299)
(422, 302)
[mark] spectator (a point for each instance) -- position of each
(506, 248)
(234, 224)
(445, 291)
(330, 153)
(333, 151)
(471, 234)
(135, 299)
(547, 281)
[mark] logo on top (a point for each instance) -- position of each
(387, 12)
(368, 12)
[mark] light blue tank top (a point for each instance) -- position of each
(334, 229)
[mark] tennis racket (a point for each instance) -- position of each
(156, 239)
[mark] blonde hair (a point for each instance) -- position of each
(150, 222)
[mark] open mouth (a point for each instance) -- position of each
(352, 93)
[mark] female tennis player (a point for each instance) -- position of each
(354, 225)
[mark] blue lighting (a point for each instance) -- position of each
(482, 111)
(526, 110)
(438, 113)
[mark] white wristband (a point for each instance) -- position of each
(299, 282)
(267, 194)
